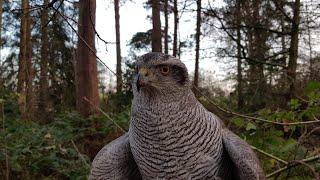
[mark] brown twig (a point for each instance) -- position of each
(270, 155)
(306, 135)
(95, 31)
(36, 7)
(79, 154)
(312, 169)
(84, 41)
(244, 56)
(105, 114)
(255, 118)
(293, 164)
(54, 14)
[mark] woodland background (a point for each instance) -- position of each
(57, 111)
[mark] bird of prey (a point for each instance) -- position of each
(171, 135)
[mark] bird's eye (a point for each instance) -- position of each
(164, 70)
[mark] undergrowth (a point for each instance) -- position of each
(65, 147)
(61, 149)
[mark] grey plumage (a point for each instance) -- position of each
(171, 135)
(115, 161)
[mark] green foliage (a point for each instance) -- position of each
(40, 151)
(313, 86)
(45, 151)
(283, 141)
(141, 40)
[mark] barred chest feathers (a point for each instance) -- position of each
(171, 135)
(177, 140)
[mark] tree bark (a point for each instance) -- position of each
(30, 96)
(239, 68)
(1, 10)
(118, 45)
(86, 65)
(43, 97)
(1, 4)
(257, 50)
(293, 50)
(196, 70)
(166, 26)
(24, 86)
(175, 28)
(156, 24)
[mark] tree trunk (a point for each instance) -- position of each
(166, 26)
(118, 45)
(196, 70)
(1, 9)
(43, 97)
(293, 50)
(239, 68)
(309, 44)
(175, 28)
(30, 96)
(86, 65)
(257, 50)
(156, 24)
(179, 50)
(1, 4)
(24, 86)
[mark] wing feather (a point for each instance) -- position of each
(115, 161)
(245, 164)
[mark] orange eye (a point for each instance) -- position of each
(164, 70)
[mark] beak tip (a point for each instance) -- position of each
(138, 83)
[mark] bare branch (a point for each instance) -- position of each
(84, 41)
(255, 118)
(95, 31)
(270, 155)
(79, 154)
(282, 11)
(261, 28)
(214, 14)
(293, 164)
(105, 114)
(54, 14)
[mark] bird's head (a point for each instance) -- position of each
(160, 73)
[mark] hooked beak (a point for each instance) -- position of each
(141, 78)
(140, 82)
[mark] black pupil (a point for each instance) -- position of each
(165, 69)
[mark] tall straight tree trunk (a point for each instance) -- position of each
(293, 50)
(117, 26)
(196, 70)
(175, 28)
(257, 50)
(1, 10)
(24, 71)
(30, 96)
(1, 4)
(86, 65)
(313, 73)
(43, 97)
(239, 68)
(166, 26)
(156, 24)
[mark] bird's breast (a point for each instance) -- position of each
(175, 144)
